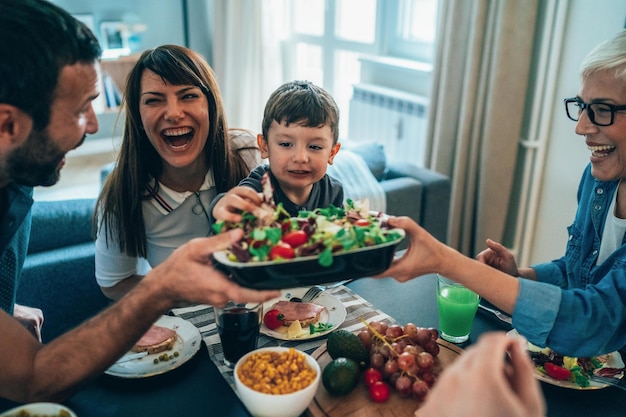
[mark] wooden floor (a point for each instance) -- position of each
(80, 177)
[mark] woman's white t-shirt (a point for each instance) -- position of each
(171, 219)
(613, 234)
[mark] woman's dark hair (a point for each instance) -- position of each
(38, 39)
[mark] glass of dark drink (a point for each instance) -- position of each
(238, 326)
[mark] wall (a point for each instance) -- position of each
(588, 23)
(165, 24)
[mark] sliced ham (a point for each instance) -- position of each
(307, 313)
(157, 339)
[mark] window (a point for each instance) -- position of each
(415, 24)
(359, 29)
(328, 37)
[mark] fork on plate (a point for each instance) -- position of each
(500, 315)
(313, 292)
(608, 380)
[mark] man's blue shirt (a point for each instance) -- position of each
(14, 236)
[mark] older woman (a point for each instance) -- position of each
(177, 153)
(576, 304)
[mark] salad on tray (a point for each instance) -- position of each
(270, 234)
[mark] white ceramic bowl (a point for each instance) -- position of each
(284, 405)
(40, 409)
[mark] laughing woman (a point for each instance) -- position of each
(177, 153)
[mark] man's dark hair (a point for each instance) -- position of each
(38, 39)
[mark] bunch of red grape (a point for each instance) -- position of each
(405, 356)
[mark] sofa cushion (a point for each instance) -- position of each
(60, 223)
(61, 283)
(372, 153)
(58, 273)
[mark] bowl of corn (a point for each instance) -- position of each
(276, 381)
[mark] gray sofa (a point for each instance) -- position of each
(58, 274)
(412, 191)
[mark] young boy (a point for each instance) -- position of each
(299, 139)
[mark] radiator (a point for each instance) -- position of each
(396, 119)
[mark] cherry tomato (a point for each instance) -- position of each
(273, 319)
(379, 392)
(372, 375)
(556, 371)
(295, 238)
(282, 250)
(362, 222)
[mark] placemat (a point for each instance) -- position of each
(203, 318)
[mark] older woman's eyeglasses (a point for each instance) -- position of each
(601, 114)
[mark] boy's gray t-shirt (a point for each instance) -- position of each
(325, 192)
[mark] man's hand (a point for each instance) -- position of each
(493, 378)
(188, 276)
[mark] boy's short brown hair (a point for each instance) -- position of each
(304, 103)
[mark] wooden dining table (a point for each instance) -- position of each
(198, 387)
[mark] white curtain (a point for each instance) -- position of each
(247, 58)
(481, 76)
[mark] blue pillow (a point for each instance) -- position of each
(372, 153)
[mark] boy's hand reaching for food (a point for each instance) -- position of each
(236, 201)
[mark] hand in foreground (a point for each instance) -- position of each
(499, 257)
(493, 378)
(236, 200)
(188, 275)
(424, 255)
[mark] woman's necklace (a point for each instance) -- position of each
(198, 209)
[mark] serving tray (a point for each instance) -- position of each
(358, 403)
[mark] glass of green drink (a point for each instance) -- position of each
(457, 308)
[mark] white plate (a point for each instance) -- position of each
(187, 343)
(614, 361)
(39, 409)
(334, 312)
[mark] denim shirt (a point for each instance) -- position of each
(576, 307)
(14, 236)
